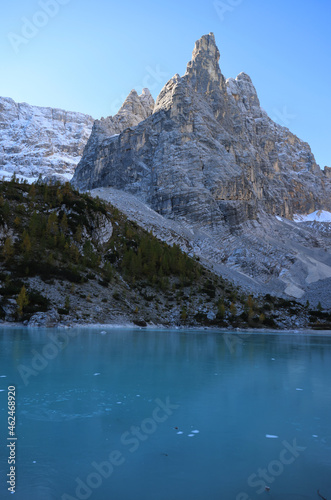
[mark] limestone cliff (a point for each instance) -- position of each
(209, 158)
(36, 140)
(50, 142)
(134, 110)
(208, 152)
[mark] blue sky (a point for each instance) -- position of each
(86, 56)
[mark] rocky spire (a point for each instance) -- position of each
(137, 106)
(203, 70)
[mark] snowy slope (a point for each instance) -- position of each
(36, 140)
(317, 216)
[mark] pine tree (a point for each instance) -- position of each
(52, 225)
(26, 244)
(32, 192)
(220, 309)
(8, 249)
(22, 301)
(78, 234)
(233, 309)
(64, 223)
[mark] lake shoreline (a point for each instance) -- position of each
(160, 327)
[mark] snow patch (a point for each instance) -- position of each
(317, 216)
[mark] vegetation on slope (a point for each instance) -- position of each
(80, 256)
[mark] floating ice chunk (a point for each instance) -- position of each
(195, 432)
(34, 462)
(95, 374)
(138, 395)
(103, 332)
(2, 390)
(180, 432)
(315, 436)
(298, 389)
(271, 436)
(190, 435)
(119, 402)
(272, 359)
(3, 376)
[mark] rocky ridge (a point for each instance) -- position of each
(50, 142)
(36, 140)
(135, 109)
(208, 147)
(209, 158)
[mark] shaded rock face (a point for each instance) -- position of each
(134, 110)
(36, 140)
(207, 153)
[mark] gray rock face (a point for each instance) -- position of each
(44, 319)
(134, 110)
(208, 152)
(211, 159)
(50, 142)
(35, 140)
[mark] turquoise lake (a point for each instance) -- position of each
(166, 415)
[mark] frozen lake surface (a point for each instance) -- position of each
(129, 414)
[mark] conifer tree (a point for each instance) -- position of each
(22, 301)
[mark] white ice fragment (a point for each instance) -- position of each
(103, 332)
(272, 359)
(315, 436)
(119, 402)
(138, 395)
(271, 436)
(34, 462)
(95, 374)
(298, 389)
(3, 376)
(180, 432)
(2, 390)
(190, 435)
(195, 432)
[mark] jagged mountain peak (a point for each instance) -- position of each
(235, 154)
(211, 158)
(203, 71)
(139, 106)
(243, 91)
(205, 49)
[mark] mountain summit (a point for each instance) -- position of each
(208, 155)
(208, 147)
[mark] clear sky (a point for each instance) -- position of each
(84, 55)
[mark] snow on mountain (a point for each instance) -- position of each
(36, 140)
(317, 216)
